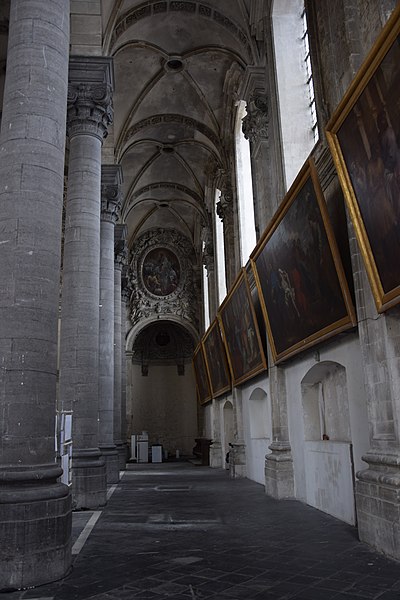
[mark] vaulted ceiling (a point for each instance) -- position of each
(174, 64)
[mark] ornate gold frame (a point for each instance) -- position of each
(200, 352)
(364, 77)
(307, 172)
(262, 363)
(206, 337)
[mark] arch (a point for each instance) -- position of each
(228, 426)
(146, 321)
(258, 433)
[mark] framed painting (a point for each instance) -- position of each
(240, 331)
(201, 375)
(303, 291)
(216, 361)
(363, 135)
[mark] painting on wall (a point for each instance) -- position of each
(302, 287)
(216, 360)
(161, 272)
(364, 136)
(240, 332)
(201, 375)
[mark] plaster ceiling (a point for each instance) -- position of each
(171, 63)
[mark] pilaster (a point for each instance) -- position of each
(255, 127)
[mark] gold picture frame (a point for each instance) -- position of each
(302, 287)
(216, 360)
(201, 375)
(240, 332)
(363, 135)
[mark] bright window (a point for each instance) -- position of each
(244, 188)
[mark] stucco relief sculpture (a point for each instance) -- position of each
(162, 277)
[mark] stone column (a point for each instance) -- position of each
(111, 179)
(89, 113)
(35, 510)
(226, 214)
(120, 260)
(125, 296)
(255, 129)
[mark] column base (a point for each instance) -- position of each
(216, 455)
(378, 503)
(279, 477)
(35, 528)
(111, 458)
(237, 461)
(122, 454)
(89, 485)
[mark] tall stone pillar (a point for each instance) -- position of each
(120, 260)
(111, 179)
(35, 510)
(125, 296)
(255, 129)
(226, 214)
(89, 114)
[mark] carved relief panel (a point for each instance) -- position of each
(164, 277)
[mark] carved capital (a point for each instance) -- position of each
(225, 205)
(89, 109)
(255, 123)
(111, 199)
(120, 258)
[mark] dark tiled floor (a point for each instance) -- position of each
(183, 532)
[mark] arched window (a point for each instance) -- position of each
(244, 188)
(206, 304)
(220, 251)
(298, 115)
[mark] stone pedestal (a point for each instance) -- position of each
(378, 503)
(111, 179)
(215, 455)
(237, 460)
(35, 510)
(89, 114)
(279, 479)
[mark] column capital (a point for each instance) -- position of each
(111, 197)
(225, 205)
(255, 123)
(90, 88)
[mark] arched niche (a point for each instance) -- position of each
(325, 403)
(228, 425)
(259, 415)
(328, 450)
(258, 433)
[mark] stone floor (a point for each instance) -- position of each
(184, 532)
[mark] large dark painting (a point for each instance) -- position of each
(364, 135)
(303, 291)
(216, 361)
(200, 371)
(240, 330)
(161, 272)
